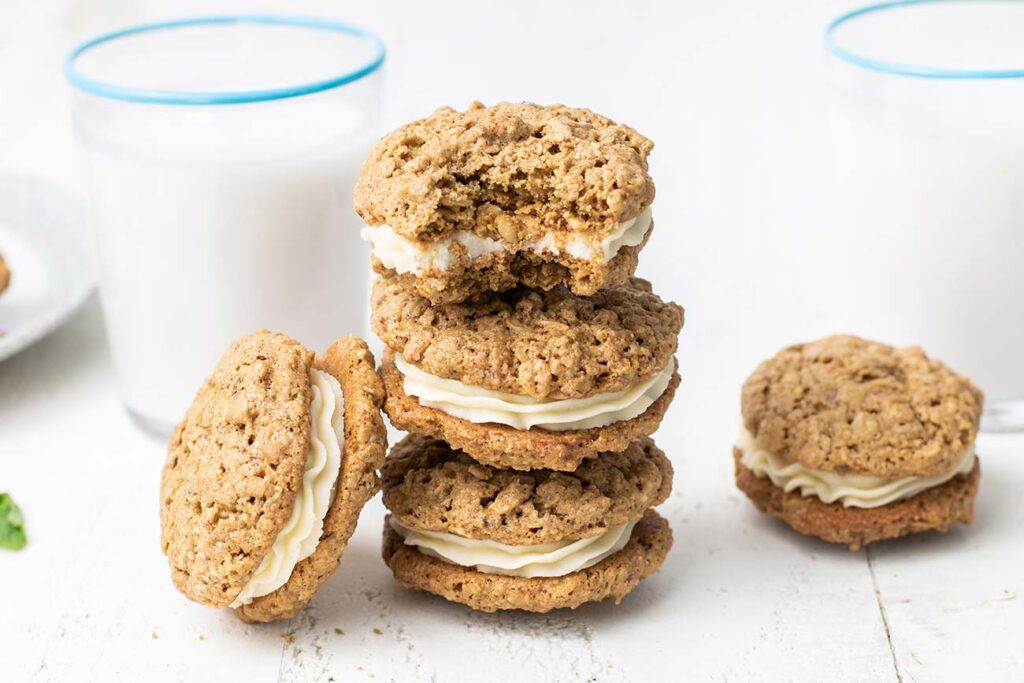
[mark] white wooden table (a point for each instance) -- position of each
(739, 598)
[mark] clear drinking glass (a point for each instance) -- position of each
(928, 128)
(220, 155)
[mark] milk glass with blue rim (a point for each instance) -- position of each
(220, 156)
(927, 122)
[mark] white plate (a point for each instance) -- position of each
(46, 245)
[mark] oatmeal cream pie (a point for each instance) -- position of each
(466, 202)
(854, 441)
(528, 379)
(266, 474)
(497, 539)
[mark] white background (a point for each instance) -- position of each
(734, 95)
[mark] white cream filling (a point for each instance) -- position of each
(629, 234)
(528, 561)
(852, 490)
(300, 535)
(477, 404)
(408, 256)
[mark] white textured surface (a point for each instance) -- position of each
(728, 91)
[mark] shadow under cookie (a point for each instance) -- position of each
(504, 446)
(935, 509)
(614, 577)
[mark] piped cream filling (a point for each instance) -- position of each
(301, 534)
(403, 255)
(478, 405)
(852, 490)
(527, 561)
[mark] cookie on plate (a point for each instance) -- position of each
(854, 441)
(266, 474)
(497, 539)
(526, 379)
(5, 274)
(482, 200)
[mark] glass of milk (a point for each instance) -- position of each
(220, 155)
(927, 124)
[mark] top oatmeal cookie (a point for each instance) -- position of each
(852, 406)
(550, 344)
(511, 171)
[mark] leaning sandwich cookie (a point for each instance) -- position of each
(482, 200)
(267, 472)
(854, 441)
(526, 379)
(497, 539)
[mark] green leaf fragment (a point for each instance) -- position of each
(12, 524)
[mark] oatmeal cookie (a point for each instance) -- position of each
(236, 462)
(428, 485)
(852, 406)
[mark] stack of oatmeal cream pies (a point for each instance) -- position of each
(528, 365)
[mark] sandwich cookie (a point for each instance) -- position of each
(527, 379)
(482, 200)
(266, 474)
(498, 539)
(853, 441)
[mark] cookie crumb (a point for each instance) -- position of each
(202, 637)
(288, 637)
(338, 631)
(378, 631)
(153, 635)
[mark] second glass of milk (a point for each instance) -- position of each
(220, 155)
(927, 130)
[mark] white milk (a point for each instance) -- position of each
(931, 234)
(214, 221)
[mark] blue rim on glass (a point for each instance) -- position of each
(130, 94)
(898, 68)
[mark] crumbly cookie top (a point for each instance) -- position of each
(848, 405)
(510, 171)
(428, 485)
(234, 466)
(541, 344)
